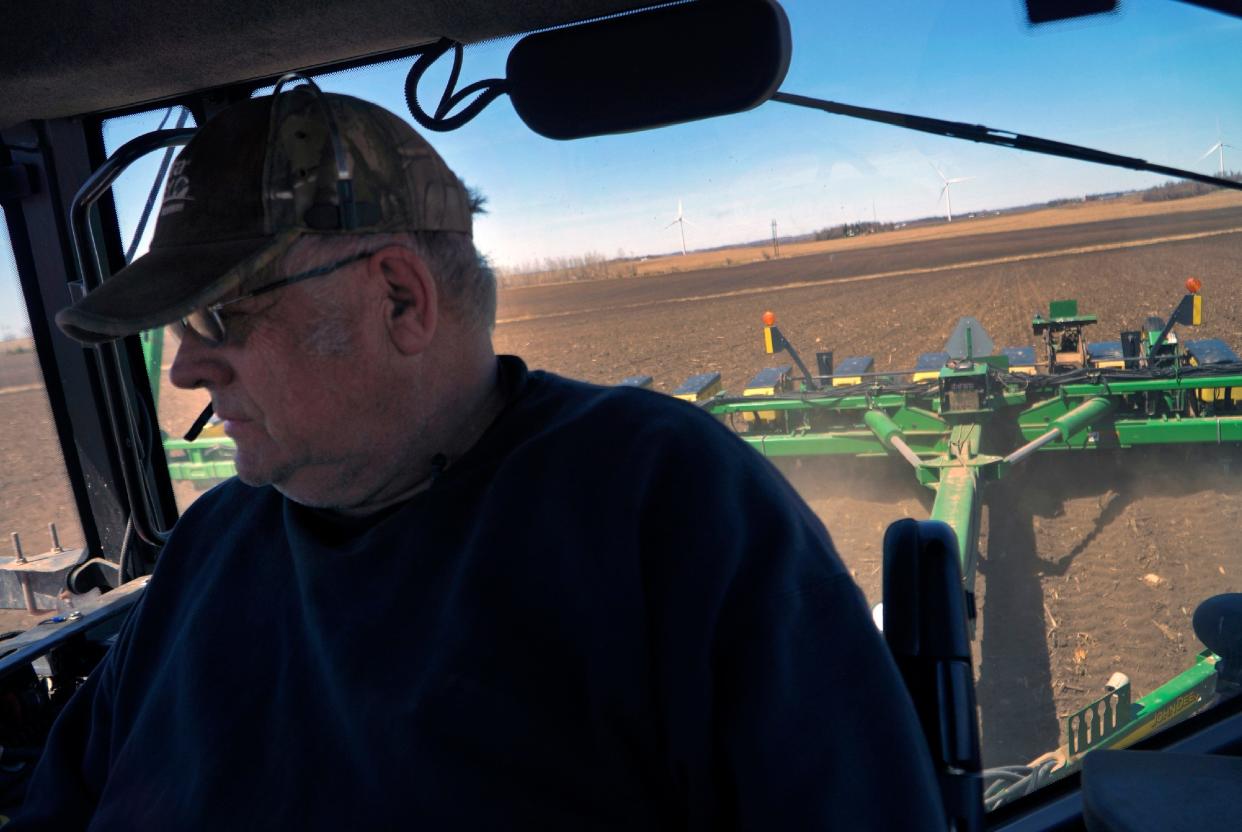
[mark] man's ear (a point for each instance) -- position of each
(410, 303)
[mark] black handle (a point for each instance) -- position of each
(926, 630)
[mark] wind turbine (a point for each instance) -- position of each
(683, 222)
(946, 191)
(1219, 149)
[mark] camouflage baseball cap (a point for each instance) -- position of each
(252, 181)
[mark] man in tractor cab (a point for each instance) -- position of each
(445, 591)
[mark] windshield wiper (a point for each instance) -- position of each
(1004, 138)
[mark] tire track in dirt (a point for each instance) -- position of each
(21, 388)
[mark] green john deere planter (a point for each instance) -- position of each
(958, 414)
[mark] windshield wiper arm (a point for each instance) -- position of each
(1004, 138)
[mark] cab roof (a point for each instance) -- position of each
(83, 56)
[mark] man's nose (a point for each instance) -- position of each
(199, 365)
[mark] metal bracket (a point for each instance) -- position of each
(17, 182)
(1088, 727)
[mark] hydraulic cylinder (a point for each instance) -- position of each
(889, 434)
(1063, 427)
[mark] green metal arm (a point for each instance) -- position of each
(1114, 721)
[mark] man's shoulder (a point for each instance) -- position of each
(705, 496)
(631, 447)
(564, 401)
(634, 432)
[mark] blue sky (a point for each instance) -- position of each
(1151, 81)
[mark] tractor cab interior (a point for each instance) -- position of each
(95, 101)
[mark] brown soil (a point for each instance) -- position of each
(34, 490)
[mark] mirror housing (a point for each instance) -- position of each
(649, 69)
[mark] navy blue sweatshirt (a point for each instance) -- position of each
(609, 614)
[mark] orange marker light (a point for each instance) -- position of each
(1193, 285)
(769, 318)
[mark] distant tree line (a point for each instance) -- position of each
(1182, 189)
(852, 229)
(590, 266)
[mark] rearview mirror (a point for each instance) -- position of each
(649, 69)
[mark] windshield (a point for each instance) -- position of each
(657, 253)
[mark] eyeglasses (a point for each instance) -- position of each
(207, 324)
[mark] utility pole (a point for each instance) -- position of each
(776, 246)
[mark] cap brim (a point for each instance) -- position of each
(165, 285)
